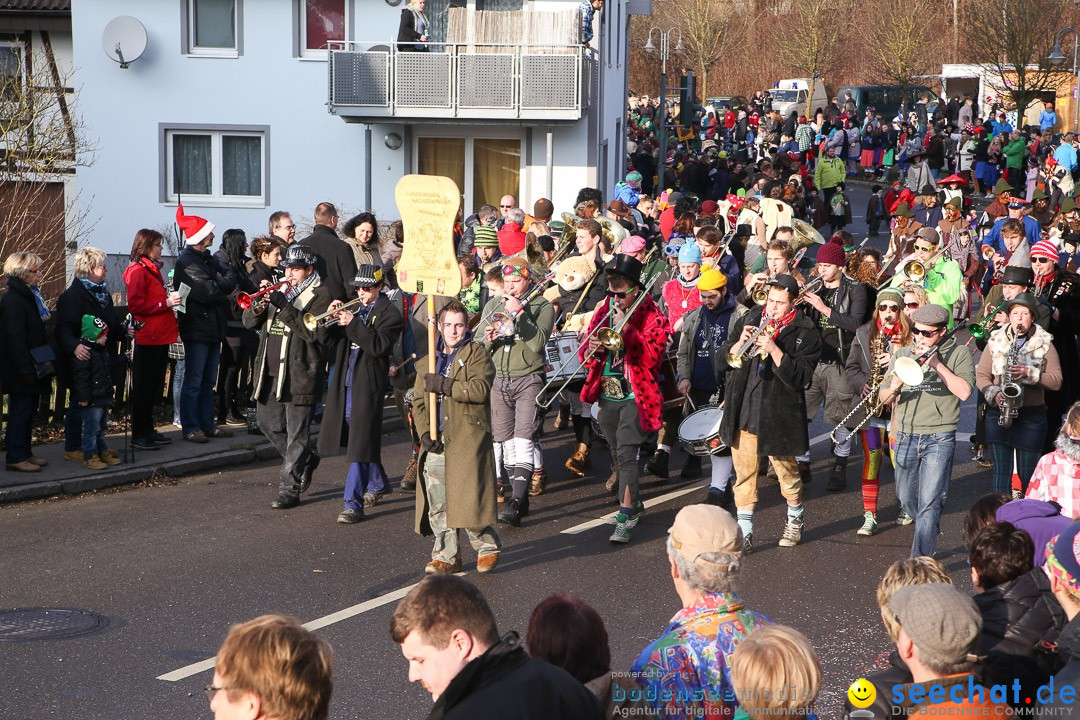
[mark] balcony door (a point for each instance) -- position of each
(484, 169)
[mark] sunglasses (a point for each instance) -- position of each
(925, 333)
(620, 294)
(924, 248)
(888, 308)
(1041, 260)
(911, 305)
(506, 206)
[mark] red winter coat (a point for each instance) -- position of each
(146, 301)
(511, 239)
(645, 338)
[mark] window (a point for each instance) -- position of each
(321, 22)
(484, 169)
(226, 166)
(11, 70)
(213, 28)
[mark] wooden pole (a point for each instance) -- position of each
(433, 416)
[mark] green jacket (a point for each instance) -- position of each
(524, 353)
(829, 173)
(943, 283)
(929, 407)
(1014, 153)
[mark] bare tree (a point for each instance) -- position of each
(710, 31)
(1012, 38)
(42, 142)
(899, 46)
(813, 31)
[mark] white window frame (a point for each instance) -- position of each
(301, 39)
(469, 202)
(194, 50)
(216, 198)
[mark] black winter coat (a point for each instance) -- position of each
(243, 284)
(261, 271)
(208, 308)
(336, 262)
(93, 377)
(1068, 676)
(782, 426)
(505, 682)
(73, 303)
(21, 329)
(361, 433)
(883, 680)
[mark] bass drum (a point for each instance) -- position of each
(669, 387)
(699, 432)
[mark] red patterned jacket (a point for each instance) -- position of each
(645, 338)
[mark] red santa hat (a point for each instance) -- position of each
(195, 228)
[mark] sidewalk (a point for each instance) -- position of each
(66, 477)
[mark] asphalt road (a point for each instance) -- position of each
(172, 566)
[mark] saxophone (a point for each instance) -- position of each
(1011, 389)
(877, 372)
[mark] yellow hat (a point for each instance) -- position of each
(711, 279)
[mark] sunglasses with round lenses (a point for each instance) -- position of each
(911, 305)
(885, 307)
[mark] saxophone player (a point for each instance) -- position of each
(1019, 365)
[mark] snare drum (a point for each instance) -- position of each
(699, 432)
(562, 362)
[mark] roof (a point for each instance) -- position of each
(36, 6)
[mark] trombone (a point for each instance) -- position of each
(610, 339)
(987, 325)
(244, 300)
(312, 322)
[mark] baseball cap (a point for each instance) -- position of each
(700, 529)
(787, 282)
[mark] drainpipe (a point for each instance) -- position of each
(367, 167)
(550, 185)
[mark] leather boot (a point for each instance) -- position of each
(408, 482)
(538, 482)
(692, 468)
(563, 420)
(838, 477)
(579, 461)
(658, 464)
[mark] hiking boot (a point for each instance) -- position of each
(838, 477)
(371, 499)
(94, 463)
(658, 464)
(513, 512)
(579, 461)
(692, 467)
(563, 420)
(903, 518)
(74, 455)
(285, 501)
(109, 459)
(348, 516)
(792, 533)
(538, 483)
(309, 472)
(408, 483)
(440, 567)
(487, 563)
(869, 526)
(106, 454)
(804, 472)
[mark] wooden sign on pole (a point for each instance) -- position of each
(428, 205)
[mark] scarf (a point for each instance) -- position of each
(1031, 353)
(294, 291)
(783, 322)
(688, 284)
(98, 290)
(40, 302)
(886, 330)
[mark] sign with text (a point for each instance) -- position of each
(428, 205)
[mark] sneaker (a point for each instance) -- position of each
(658, 464)
(234, 419)
(219, 432)
(623, 525)
(309, 471)
(94, 463)
(440, 567)
(198, 437)
(144, 443)
(285, 501)
(792, 533)
(1017, 494)
(538, 482)
(748, 544)
(692, 467)
(348, 516)
(160, 438)
(108, 458)
(487, 563)
(371, 499)
(715, 497)
(903, 518)
(869, 526)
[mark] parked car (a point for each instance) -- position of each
(886, 99)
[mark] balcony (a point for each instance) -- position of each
(487, 83)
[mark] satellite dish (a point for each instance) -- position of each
(124, 40)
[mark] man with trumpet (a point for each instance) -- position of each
(1018, 366)
(928, 381)
(626, 342)
(517, 337)
(929, 267)
(771, 362)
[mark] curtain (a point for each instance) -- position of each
(438, 13)
(442, 156)
(241, 165)
(499, 5)
(324, 21)
(496, 170)
(215, 23)
(192, 165)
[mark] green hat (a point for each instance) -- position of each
(894, 294)
(1039, 194)
(485, 236)
(956, 202)
(903, 210)
(1002, 186)
(92, 327)
(1068, 204)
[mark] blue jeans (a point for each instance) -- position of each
(197, 391)
(93, 431)
(362, 478)
(923, 467)
(21, 408)
(73, 425)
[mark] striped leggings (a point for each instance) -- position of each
(875, 441)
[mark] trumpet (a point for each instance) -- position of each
(759, 292)
(505, 323)
(737, 358)
(244, 300)
(312, 322)
(809, 288)
(988, 252)
(987, 324)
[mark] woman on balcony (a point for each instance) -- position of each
(413, 28)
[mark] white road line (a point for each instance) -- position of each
(208, 664)
(648, 503)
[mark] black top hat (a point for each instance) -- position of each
(367, 276)
(298, 256)
(627, 266)
(1017, 275)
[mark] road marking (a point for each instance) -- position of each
(648, 503)
(208, 664)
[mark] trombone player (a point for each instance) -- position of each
(1019, 361)
(940, 275)
(290, 370)
(622, 376)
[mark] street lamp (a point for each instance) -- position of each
(665, 51)
(1057, 57)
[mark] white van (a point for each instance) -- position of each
(792, 94)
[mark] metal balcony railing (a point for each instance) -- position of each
(484, 82)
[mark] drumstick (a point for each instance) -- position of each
(406, 361)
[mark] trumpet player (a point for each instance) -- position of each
(354, 405)
(1019, 364)
(625, 381)
(765, 404)
(778, 259)
(941, 276)
(924, 420)
(837, 306)
(290, 370)
(519, 376)
(864, 371)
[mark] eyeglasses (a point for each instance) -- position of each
(212, 690)
(620, 294)
(911, 305)
(286, 227)
(924, 248)
(1041, 260)
(925, 333)
(884, 307)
